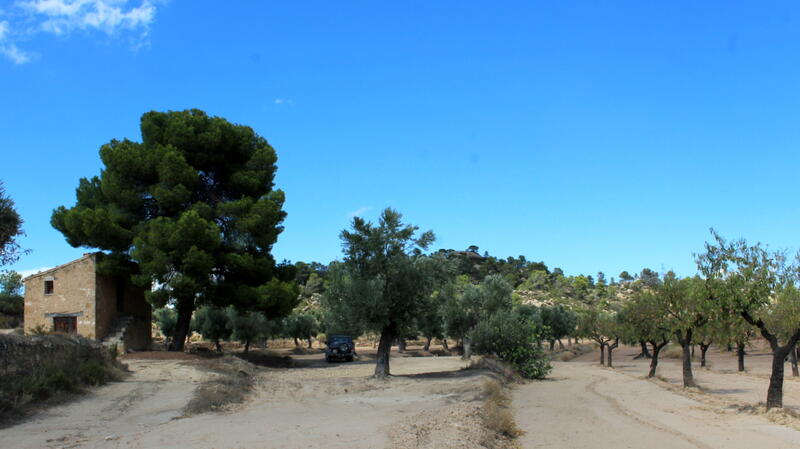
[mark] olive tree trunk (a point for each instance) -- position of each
(467, 344)
(703, 350)
(685, 339)
(740, 355)
(427, 346)
(645, 353)
(775, 390)
(602, 354)
(654, 359)
(611, 348)
(384, 347)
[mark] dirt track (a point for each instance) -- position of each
(321, 405)
(429, 403)
(584, 405)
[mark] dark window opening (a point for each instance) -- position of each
(48, 287)
(65, 324)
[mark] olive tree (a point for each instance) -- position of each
(383, 280)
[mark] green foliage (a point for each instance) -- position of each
(384, 278)
(10, 229)
(560, 321)
(464, 310)
(510, 337)
(193, 204)
(249, 326)
(11, 300)
(166, 318)
(302, 326)
(212, 323)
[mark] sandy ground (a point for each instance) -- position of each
(152, 396)
(584, 405)
(320, 405)
(429, 403)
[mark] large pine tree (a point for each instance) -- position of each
(194, 206)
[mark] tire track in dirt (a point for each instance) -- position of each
(592, 388)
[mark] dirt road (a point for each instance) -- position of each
(586, 406)
(153, 395)
(319, 405)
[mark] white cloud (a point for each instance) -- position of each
(283, 101)
(358, 212)
(9, 50)
(26, 273)
(62, 17)
(16, 55)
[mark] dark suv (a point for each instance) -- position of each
(340, 347)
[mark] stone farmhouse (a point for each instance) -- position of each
(75, 299)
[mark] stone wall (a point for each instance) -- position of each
(30, 366)
(73, 292)
(23, 355)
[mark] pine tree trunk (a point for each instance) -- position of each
(296, 342)
(740, 355)
(444, 344)
(185, 309)
(247, 346)
(309, 342)
(552, 345)
(401, 345)
(384, 347)
(560, 344)
(427, 346)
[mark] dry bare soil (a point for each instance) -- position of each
(429, 403)
(586, 406)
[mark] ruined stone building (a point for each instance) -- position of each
(74, 298)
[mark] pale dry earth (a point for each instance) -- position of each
(584, 405)
(321, 405)
(429, 403)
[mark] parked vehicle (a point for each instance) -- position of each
(340, 347)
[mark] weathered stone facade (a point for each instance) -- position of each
(75, 293)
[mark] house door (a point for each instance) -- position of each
(65, 324)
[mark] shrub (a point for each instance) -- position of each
(497, 415)
(509, 337)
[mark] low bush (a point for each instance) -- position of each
(232, 380)
(497, 415)
(509, 337)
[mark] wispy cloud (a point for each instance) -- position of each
(62, 17)
(283, 101)
(358, 212)
(9, 49)
(26, 273)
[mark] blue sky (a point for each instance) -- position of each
(596, 136)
